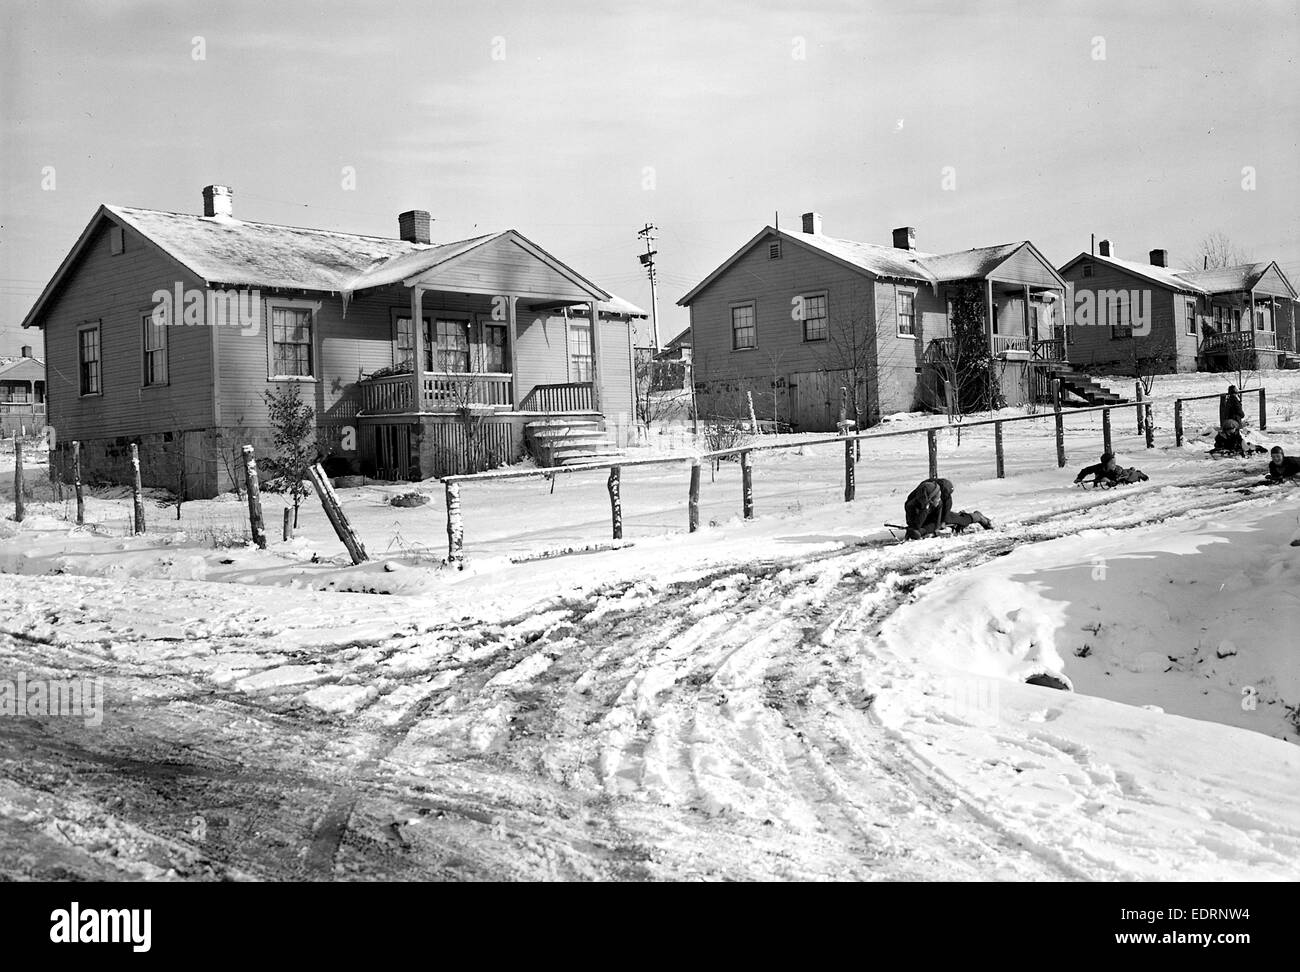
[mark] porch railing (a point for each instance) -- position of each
(442, 392)
(1002, 343)
(1052, 349)
(1229, 342)
(448, 391)
(22, 408)
(569, 396)
(386, 395)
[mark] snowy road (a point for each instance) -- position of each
(744, 721)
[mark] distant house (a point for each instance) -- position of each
(792, 317)
(1157, 319)
(22, 394)
(168, 328)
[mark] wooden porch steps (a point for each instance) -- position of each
(1084, 387)
(568, 441)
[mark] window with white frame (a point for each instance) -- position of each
(1191, 317)
(451, 339)
(155, 351)
(814, 317)
(404, 343)
(906, 314)
(580, 356)
(292, 347)
(88, 355)
(742, 327)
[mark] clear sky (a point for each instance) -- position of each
(576, 122)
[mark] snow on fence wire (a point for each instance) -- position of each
(1142, 410)
(1221, 399)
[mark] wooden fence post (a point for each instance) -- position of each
(747, 485)
(1150, 426)
(616, 501)
(1105, 430)
(253, 489)
(287, 532)
(932, 446)
(1060, 424)
(18, 480)
(693, 498)
(455, 525)
(76, 483)
(850, 484)
(1178, 421)
(1140, 409)
(1263, 412)
(334, 513)
(997, 450)
(137, 493)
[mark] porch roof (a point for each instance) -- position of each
(24, 369)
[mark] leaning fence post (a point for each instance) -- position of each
(1178, 421)
(76, 483)
(137, 492)
(616, 501)
(997, 450)
(455, 524)
(1141, 426)
(329, 500)
(932, 447)
(1105, 430)
(747, 485)
(253, 489)
(18, 479)
(1150, 426)
(1263, 412)
(693, 498)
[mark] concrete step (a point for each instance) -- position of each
(567, 434)
(578, 457)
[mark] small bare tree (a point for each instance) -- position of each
(1216, 251)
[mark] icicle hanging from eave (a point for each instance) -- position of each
(345, 296)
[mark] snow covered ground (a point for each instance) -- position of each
(790, 697)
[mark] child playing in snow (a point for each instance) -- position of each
(1108, 473)
(929, 506)
(1281, 466)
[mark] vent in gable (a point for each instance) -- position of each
(774, 250)
(116, 241)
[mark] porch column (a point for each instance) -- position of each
(596, 369)
(1030, 335)
(512, 330)
(417, 342)
(988, 313)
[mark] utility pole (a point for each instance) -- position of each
(648, 261)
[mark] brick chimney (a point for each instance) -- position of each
(812, 224)
(413, 226)
(218, 201)
(905, 238)
(27, 350)
(1103, 248)
(1159, 258)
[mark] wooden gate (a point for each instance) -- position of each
(815, 399)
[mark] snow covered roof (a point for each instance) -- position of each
(23, 369)
(1222, 279)
(889, 261)
(236, 252)
(1165, 277)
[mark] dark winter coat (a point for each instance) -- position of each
(927, 507)
(1230, 408)
(1229, 442)
(1113, 476)
(1288, 468)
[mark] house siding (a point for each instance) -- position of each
(118, 291)
(724, 376)
(1168, 345)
